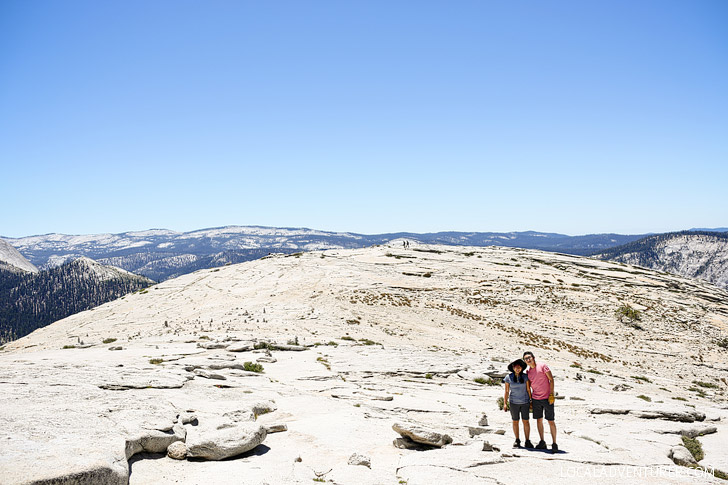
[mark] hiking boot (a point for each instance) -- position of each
(541, 445)
(554, 448)
(528, 444)
(517, 443)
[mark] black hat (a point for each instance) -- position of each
(517, 362)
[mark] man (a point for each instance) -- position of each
(541, 382)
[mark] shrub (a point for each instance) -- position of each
(428, 376)
(500, 404)
(366, 341)
(708, 385)
(293, 341)
(109, 340)
(641, 378)
(723, 343)
(156, 361)
(694, 447)
(487, 382)
(645, 398)
(346, 337)
(630, 314)
(678, 398)
(251, 367)
(69, 346)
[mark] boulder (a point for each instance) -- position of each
(421, 435)
(209, 375)
(357, 459)
(177, 450)
(405, 443)
(483, 420)
(224, 443)
(682, 456)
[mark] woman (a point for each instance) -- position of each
(518, 396)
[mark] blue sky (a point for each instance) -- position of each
(574, 117)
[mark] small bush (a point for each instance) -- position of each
(500, 404)
(156, 361)
(678, 398)
(694, 447)
(722, 343)
(69, 346)
(708, 385)
(332, 343)
(366, 341)
(293, 341)
(204, 337)
(626, 312)
(487, 382)
(641, 378)
(428, 376)
(594, 371)
(109, 340)
(346, 337)
(645, 398)
(251, 367)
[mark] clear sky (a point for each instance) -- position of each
(366, 116)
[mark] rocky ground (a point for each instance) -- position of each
(359, 349)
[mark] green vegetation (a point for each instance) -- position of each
(678, 398)
(428, 376)
(694, 447)
(366, 341)
(251, 367)
(109, 340)
(594, 371)
(487, 382)
(708, 385)
(500, 404)
(69, 347)
(324, 362)
(293, 341)
(645, 398)
(631, 315)
(722, 343)
(156, 361)
(641, 378)
(346, 337)
(576, 365)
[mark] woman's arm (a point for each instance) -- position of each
(505, 397)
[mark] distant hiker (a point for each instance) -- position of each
(541, 383)
(404, 244)
(519, 400)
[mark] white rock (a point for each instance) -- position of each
(224, 443)
(357, 459)
(420, 435)
(177, 450)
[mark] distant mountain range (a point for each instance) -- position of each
(696, 254)
(161, 254)
(34, 299)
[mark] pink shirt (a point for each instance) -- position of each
(540, 386)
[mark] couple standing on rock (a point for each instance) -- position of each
(531, 386)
